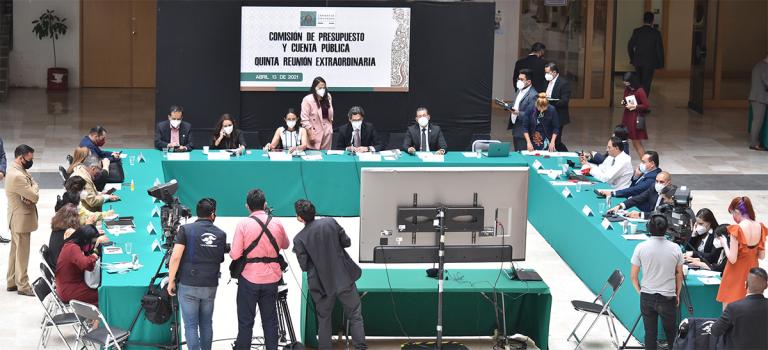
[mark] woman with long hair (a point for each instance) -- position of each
(226, 136)
(77, 256)
(317, 115)
(703, 249)
(290, 136)
(78, 157)
(635, 102)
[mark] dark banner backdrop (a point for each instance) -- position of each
(451, 69)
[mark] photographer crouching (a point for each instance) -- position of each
(198, 252)
(662, 265)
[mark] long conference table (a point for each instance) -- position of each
(333, 184)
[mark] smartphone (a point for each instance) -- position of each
(111, 190)
(503, 104)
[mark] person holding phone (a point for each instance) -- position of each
(523, 106)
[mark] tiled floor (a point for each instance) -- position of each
(714, 143)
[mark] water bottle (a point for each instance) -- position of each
(133, 186)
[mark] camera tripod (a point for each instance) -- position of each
(284, 324)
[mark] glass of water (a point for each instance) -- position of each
(165, 152)
(601, 208)
(132, 160)
(128, 247)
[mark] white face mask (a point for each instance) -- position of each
(357, 124)
(228, 129)
(659, 187)
(291, 123)
(700, 230)
(320, 92)
(423, 121)
(643, 168)
(520, 85)
(549, 76)
(716, 243)
(83, 195)
(175, 123)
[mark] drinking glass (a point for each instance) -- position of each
(128, 247)
(132, 160)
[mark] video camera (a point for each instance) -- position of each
(172, 212)
(679, 215)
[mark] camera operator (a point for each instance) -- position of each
(703, 250)
(259, 281)
(198, 252)
(662, 265)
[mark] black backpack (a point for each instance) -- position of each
(157, 305)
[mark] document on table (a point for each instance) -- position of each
(118, 230)
(369, 157)
(112, 250)
(389, 153)
(569, 183)
(635, 237)
(110, 186)
(434, 158)
(703, 273)
(709, 280)
(471, 154)
(280, 156)
(178, 156)
(313, 157)
(335, 152)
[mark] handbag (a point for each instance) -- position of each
(640, 121)
(93, 277)
(157, 305)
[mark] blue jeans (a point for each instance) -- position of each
(196, 305)
(250, 295)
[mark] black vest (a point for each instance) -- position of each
(204, 252)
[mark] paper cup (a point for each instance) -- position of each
(205, 149)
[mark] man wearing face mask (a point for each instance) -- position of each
(559, 94)
(523, 107)
(358, 136)
(643, 179)
(615, 170)
(90, 198)
(424, 136)
(110, 161)
(661, 192)
(3, 165)
(174, 133)
(22, 193)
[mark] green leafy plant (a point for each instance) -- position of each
(49, 25)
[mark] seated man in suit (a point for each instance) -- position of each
(743, 324)
(110, 161)
(358, 136)
(174, 133)
(644, 177)
(661, 192)
(424, 136)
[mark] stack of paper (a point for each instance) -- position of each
(369, 157)
(335, 152)
(279, 156)
(312, 157)
(178, 156)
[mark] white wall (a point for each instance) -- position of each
(31, 57)
(505, 52)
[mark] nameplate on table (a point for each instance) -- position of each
(537, 164)
(112, 250)
(390, 153)
(433, 158)
(157, 182)
(280, 156)
(606, 224)
(178, 156)
(151, 229)
(369, 157)
(312, 157)
(587, 211)
(156, 212)
(155, 246)
(141, 158)
(123, 155)
(335, 152)
(472, 154)
(222, 155)
(567, 193)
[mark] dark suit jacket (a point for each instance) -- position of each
(710, 255)
(645, 201)
(3, 161)
(639, 185)
(95, 150)
(743, 324)
(562, 92)
(527, 105)
(368, 137)
(536, 66)
(319, 248)
(234, 140)
(645, 48)
(163, 134)
(435, 134)
(550, 121)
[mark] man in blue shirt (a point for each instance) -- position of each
(644, 178)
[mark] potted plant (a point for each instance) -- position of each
(49, 25)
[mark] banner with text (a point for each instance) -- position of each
(352, 48)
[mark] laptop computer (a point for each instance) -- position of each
(498, 149)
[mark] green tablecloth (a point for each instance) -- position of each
(764, 131)
(120, 295)
(332, 184)
(468, 305)
(593, 252)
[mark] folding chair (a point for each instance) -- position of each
(42, 290)
(104, 335)
(63, 173)
(482, 145)
(70, 159)
(599, 307)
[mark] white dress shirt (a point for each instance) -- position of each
(519, 98)
(616, 171)
(551, 85)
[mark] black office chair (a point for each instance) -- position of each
(396, 140)
(201, 137)
(252, 139)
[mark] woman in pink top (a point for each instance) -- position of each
(317, 116)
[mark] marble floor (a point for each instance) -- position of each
(689, 143)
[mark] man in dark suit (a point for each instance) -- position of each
(646, 51)
(650, 199)
(416, 135)
(3, 167)
(743, 324)
(535, 64)
(358, 136)
(559, 94)
(174, 133)
(644, 178)
(331, 273)
(521, 109)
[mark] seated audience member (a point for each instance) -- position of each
(616, 170)
(291, 136)
(174, 133)
(661, 192)
(743, 324)
(619, 131)
(113, 169)
(225, 136)
(76, 257)
(709, 259)
(424, 136)
(643, 179)
(63, 224)
(73, 188)
(78, 157)
(358, 136)
(541, 126)
(91, 198)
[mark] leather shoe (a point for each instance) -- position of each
(4, 240)
(26, 293)
(11, 289)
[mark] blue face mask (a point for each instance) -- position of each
(643, 169)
